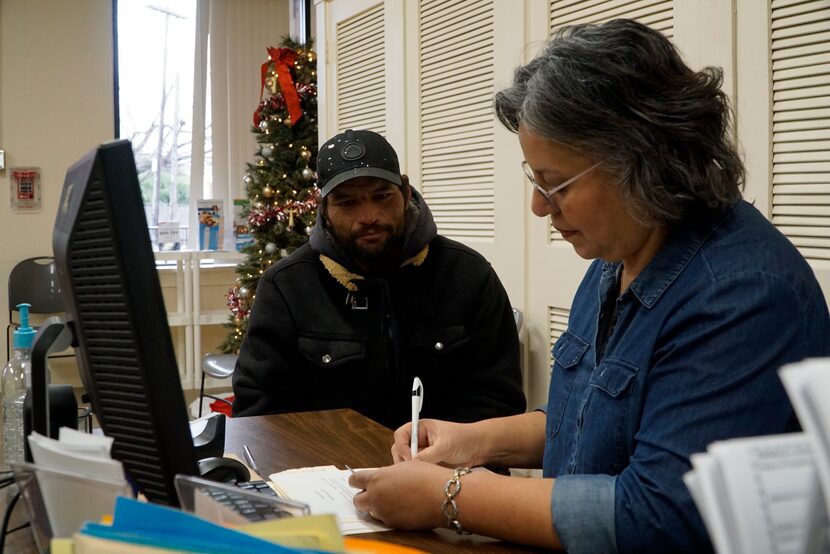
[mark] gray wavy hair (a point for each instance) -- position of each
(620, 92)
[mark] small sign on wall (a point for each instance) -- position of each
(25, 189)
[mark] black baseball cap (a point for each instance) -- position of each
(356, 153)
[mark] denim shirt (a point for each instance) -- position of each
(691, 356)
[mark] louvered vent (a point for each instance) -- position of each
(657, 14)
(110, 347)
(361, 87)
(456, 86)
(558, 320)
(801, 124)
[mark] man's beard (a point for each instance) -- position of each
(380, 259)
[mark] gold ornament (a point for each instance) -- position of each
(267, 192)
(305, 154)
(287, 121)
(260, 162)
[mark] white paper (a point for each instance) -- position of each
(77, 479)
(326, 490)
(74, 440)
(706, 485)
(808, 386)
(75, 458)
(768, 481)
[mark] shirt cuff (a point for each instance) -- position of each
(582, 508)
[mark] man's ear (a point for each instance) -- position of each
(406, 189)
(324, 212)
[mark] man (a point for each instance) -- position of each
(375, 299)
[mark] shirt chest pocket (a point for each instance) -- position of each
(567, 354)
(607, 410)
(331, 352)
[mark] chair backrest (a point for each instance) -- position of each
(35, 281)
(520, 318)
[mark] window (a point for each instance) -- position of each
(156, 52)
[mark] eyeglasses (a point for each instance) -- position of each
(550, 192)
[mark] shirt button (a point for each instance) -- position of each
(326, 358)
(439, 346)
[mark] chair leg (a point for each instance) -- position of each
(201, 393)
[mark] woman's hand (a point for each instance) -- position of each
(441, 442)
(404, 496)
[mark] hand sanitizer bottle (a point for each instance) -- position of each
(16, 377)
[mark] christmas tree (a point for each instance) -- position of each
(282, 197)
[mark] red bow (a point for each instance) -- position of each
(283, 59)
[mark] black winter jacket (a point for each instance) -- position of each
(313, 345)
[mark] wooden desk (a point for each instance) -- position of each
(334, 437)
(340, 437)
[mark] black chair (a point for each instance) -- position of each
(218, 366)
(35, 282)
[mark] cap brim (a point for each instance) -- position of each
(384, 174)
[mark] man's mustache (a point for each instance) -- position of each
(371, 229)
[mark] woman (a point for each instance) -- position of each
(693, 302)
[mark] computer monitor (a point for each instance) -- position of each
(124, 350)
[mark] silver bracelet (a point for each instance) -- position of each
(449, 507)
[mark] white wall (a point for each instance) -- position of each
(56, 103)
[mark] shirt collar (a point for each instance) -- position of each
(684, 241)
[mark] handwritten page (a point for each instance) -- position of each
(326, 490)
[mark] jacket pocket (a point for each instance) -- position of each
(567, 353)
(330, 352)
(439, 339)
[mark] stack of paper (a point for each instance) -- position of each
(770, 494)
(758, 494)
(326, 490)
(808, 386)
(81, 453)
(73, 479)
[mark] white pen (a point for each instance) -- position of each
(249, 458)
(417, 402)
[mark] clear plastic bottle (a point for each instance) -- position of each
(16, 378)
